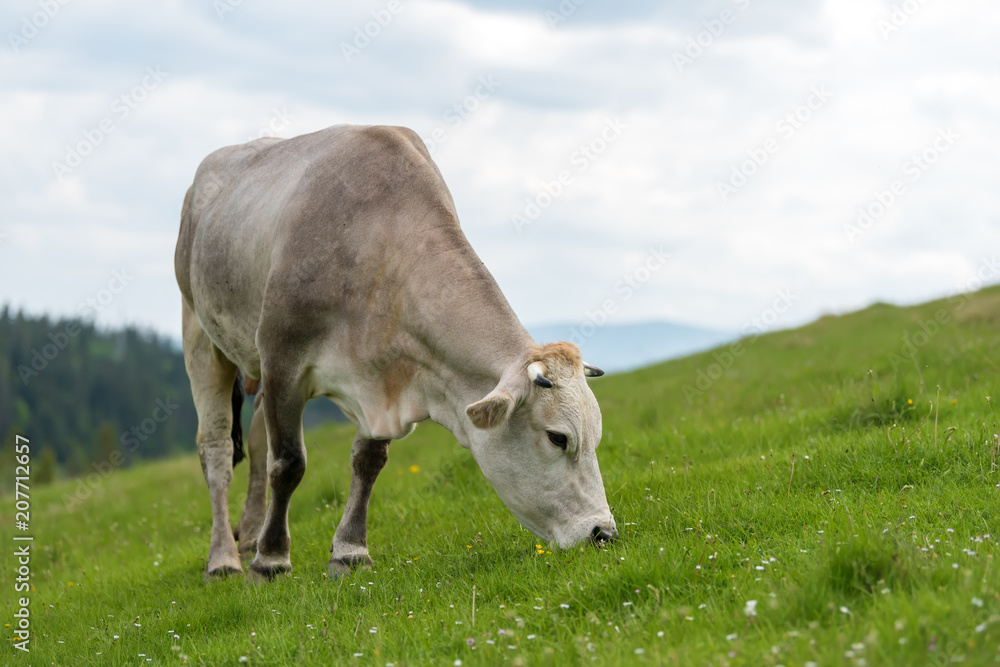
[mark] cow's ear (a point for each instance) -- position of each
(492, 410)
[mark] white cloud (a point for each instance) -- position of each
(655, 185)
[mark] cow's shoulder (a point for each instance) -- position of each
(397, 157)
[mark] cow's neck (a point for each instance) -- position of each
(469, 334)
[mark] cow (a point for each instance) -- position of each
(332, 264)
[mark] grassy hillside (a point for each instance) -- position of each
(826, 495)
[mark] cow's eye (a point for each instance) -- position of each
(557, 439)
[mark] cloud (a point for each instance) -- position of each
(264, 68)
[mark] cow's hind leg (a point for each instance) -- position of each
(255, 507)
(283, 405)
(350, 542)
(212, 376)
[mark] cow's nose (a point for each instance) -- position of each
(599, 534)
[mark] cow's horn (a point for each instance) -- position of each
(592, 371)
(536, 372)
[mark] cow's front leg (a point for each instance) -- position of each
(286, 466)
(350, 542)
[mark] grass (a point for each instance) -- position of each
(830, 497)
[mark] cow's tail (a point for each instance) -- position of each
(238, 454)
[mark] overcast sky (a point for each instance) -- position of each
(740, 138)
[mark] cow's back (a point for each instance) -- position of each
(297, 233)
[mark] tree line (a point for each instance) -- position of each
(80, 394)
(91, 399)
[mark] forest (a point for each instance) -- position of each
(88, 397)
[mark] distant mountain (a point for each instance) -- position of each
(622, 347)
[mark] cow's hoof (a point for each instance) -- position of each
(223, 563)
(221, 572)
(347, 564)
(259, 573)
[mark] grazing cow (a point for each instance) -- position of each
(332, 264)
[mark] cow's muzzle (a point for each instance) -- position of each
(600, 535)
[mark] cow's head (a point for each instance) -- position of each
(535, 438)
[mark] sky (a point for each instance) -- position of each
(705, 163)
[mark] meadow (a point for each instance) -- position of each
(820, 496)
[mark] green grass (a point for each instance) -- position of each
(878, 548)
